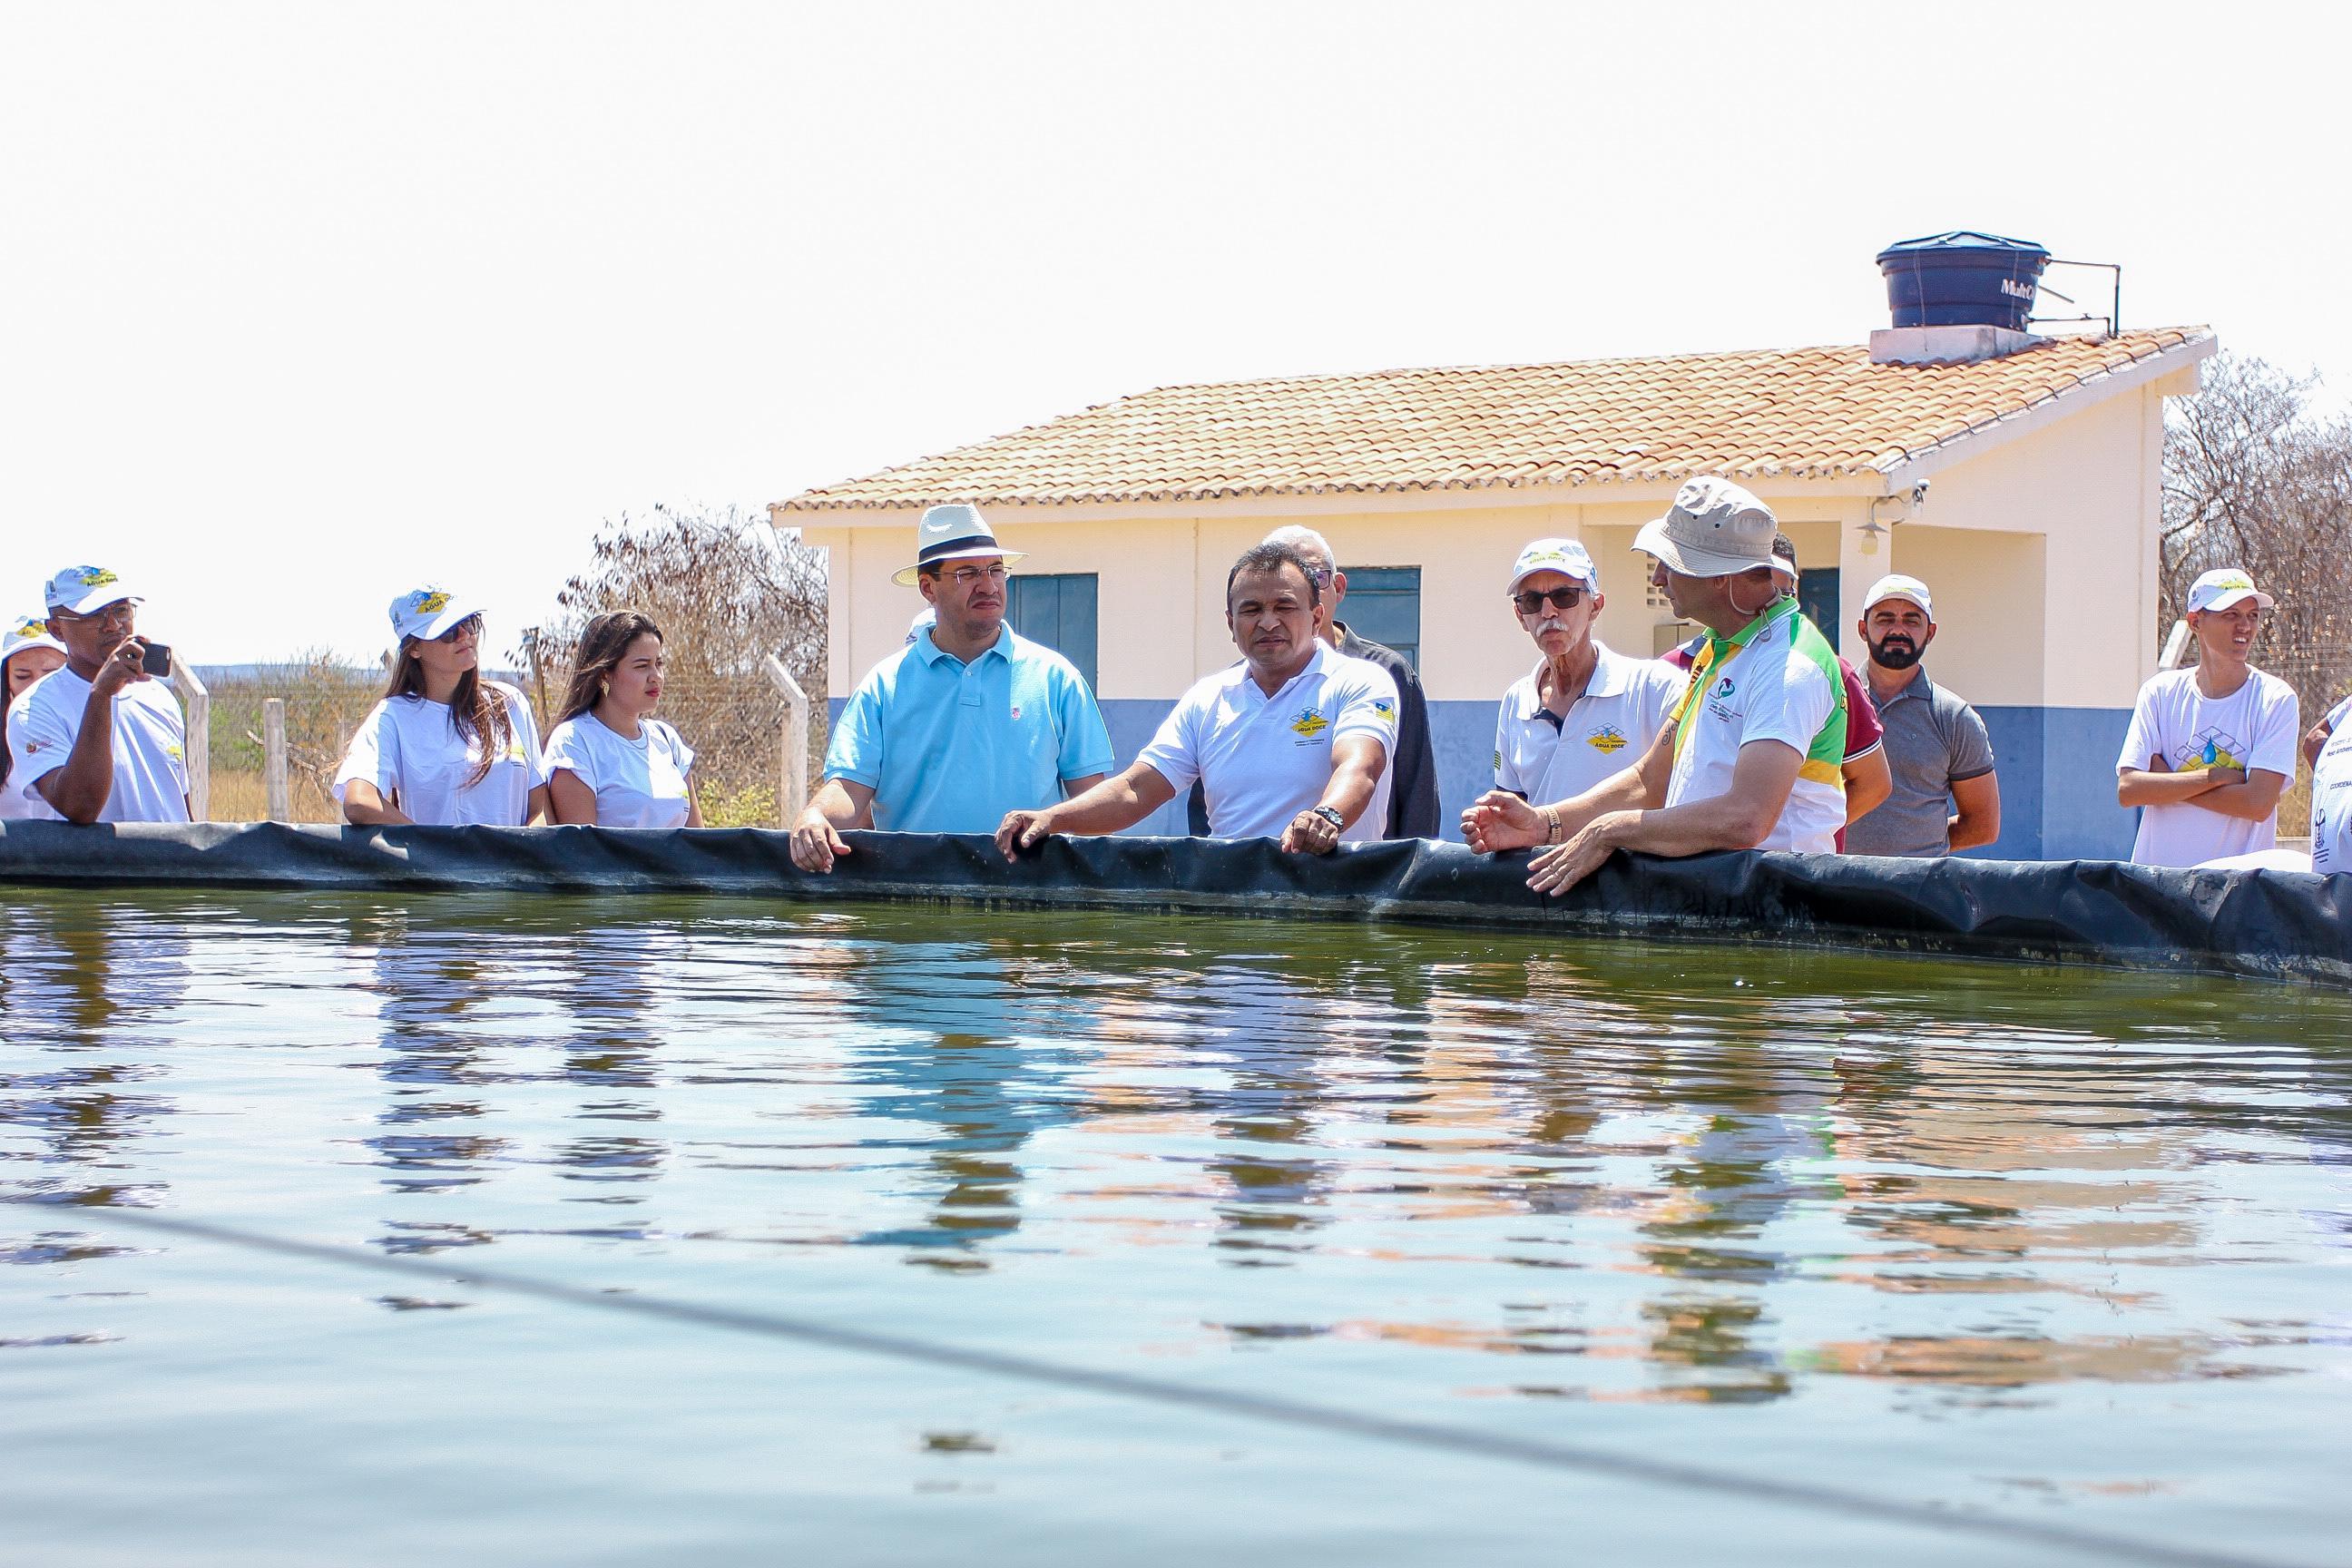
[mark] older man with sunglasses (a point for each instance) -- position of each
(100, 740)
(1584, 712)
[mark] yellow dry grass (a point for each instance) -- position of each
(239, 796)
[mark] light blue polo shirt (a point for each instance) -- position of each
(950, 748)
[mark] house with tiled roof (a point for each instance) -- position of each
(2018, 476)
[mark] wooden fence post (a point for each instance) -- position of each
(280, 806)
(197, 702)
(792, 751)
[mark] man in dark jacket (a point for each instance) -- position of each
(1414, 811)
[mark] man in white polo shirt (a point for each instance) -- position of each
(1752, 758)
(1291, 743)
(1585, 711)
(100, 740)
(2211, 747)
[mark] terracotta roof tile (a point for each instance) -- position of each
(1817, 413)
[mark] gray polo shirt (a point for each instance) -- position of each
(1933, 740)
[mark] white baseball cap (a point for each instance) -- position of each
(27, 633)
(2219, 589)
(951, 533)
(1715, 528)
(1895, 585)
(428, 612)
(1565, 556)
(79, 590)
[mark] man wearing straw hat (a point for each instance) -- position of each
(1751, 756)
(968, 722)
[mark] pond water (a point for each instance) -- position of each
(2063, 1247)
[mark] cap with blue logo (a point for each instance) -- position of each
(428, 612)
(28, 633)
(79, 590)
(1565, 556)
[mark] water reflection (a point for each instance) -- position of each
(1671, 1174)
(88, 1002)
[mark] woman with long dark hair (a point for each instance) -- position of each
(444, 747)
(28, 653)
(609, 762)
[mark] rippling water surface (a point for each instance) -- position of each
(2060, 1246)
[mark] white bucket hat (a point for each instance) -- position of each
(1895, 585)
(1566, 556)
(79, 590)
(953, 532)
(27, 633)
(428, 612)
(2219, 589)
(1715, 528)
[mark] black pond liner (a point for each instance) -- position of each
(2275, 924)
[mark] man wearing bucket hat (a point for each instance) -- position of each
(1750, 758)
(1946, 796)
(99, 739)
(1585, 711)
(2211, 747)
(968, 722)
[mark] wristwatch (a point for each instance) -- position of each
(1329, 814)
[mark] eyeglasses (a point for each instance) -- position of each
(472, 624)
(121, 610)
(965, 577)
(1532, 602)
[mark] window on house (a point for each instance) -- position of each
(1059, 611)
(1383, 605)
(1817, 596)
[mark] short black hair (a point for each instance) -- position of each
(1273, 558)
(1785, 547)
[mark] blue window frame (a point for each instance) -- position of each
(1059, 611)
(1383, 605)
(1817, 596)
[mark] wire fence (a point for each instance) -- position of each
(738, 728)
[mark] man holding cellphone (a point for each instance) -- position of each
(100, 740)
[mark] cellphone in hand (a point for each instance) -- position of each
(156, 658)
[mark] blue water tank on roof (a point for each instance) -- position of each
(1962, 279)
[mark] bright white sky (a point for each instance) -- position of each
(308, 303)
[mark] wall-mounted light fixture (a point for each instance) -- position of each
(1872, 531)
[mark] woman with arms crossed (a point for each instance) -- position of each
(444, 747)
(609, 762)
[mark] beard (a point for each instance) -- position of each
(1894, 653)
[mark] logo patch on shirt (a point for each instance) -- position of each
(1385, 708)
(1309, 724)
(1016, 711)
(173, 751)
(1723, 688)
(1608, 740)
(2210, 748)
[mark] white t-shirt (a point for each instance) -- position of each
(408, 746)
(1263, 760)
(2252, 728)
(638, 783)
(1605, 731)
(2331, 805)
(151, 768)
(1768, 690)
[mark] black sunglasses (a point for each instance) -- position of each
(1532, 602)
